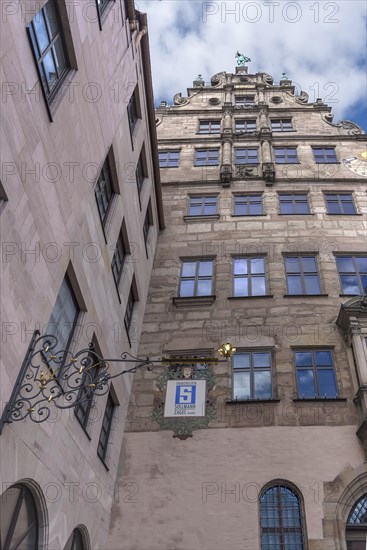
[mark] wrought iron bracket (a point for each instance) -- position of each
(50, 377)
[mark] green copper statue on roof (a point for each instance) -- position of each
(241, 59)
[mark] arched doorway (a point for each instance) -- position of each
(356, 529)
(19, 523)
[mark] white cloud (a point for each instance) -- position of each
(323, 50)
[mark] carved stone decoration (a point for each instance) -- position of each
(216, 79)
(348, 320)
(246, 171)
(214, 101)
(302, 97)
(267, 79)
(226, 174)
(276, 99)
(269, 173)
(158, 120)
(179, 100)
(183, 427)
(344, 126)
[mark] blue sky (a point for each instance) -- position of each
(321, 45)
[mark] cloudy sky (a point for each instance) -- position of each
(320, 45)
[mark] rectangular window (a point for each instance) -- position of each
(169, 159)
(294, 204)
(249, 277)
(133, 111)
(286, 155)
(252, 375)
(245, 126)
(104, 190)
(324, 155)
(206, 157)
(247, 156)
(129, 309)
(118, 259)
(281, 124)
(245, 101)
(140, 172)
(196, 278)
(209, 126)
(106, 428)
(49, 49)
(248, 205)
(148, 221)
(302, 275)
(315, 373)
(202, 206)
(85, 395)
(64, 316)
(340, 203)
(353, 274)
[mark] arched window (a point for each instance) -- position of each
(19, 519)
(75, 541)
(281, 519)
(356, 532)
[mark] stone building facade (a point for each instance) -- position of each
(265, 248)
(81, 210)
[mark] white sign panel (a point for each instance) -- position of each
(185, 398)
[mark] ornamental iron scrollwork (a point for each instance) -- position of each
(50, 377)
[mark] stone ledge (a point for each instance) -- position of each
(193, 301)
(250, 297)
(246, 401)
(306, 295)
(320, 399)
(201, 218)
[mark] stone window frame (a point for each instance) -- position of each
(132, 300)
(211, 157)
(301, 273)
(356, 273)
(302, 516)
(245, 122)
(147, 224)
(134, 112)
(242, 154)
(339, 201)
(120, 256)
(25, 501)
(52, 97)
(197, 277)
(109, 421)
(251, 370)
(285, 124)
(141, 171)
(243, 101)
(249, 275)
(315, 368)
(174, 163)
(202, 205)
(287, 154)
(245, 199)
(103, 10)
(210, 122)
(323, 158)
(293, 201)
(109, 191)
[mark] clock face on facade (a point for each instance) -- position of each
(358, 164)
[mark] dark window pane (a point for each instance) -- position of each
(240, 266)
(349, 284)
(327, 385)
(345, 264)
(262, 384)
(348, 208)
(323, 358)
(301, 208)
(309, 264)
(261, 359)
(258, 286)
(286, 208)
(241, 385)
(188, 269)
(292, 264)
(257, 265)
(361, 263)
(205, 268)
(256, 209)
(312, 285)
(187, 288)
(294, 284)
(306, 384)
(303, 359)
(334, 207)
(241, 286)
(204, 287)
(241, 360)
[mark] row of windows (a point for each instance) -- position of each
(250, 276)
(49, 48)
(245, 125)
(248, 155)
(252, 374)
(282, 519)
(289, 203)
